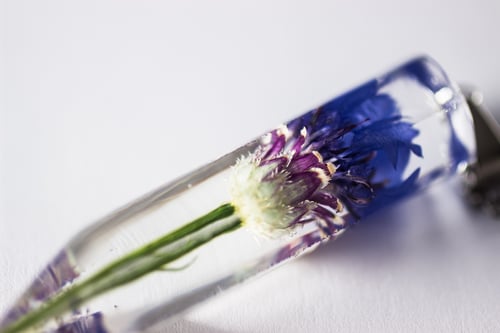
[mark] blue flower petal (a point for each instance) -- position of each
(363, 134)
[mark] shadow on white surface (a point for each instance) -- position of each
(435, 222)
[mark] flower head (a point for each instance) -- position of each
(282, 185)
(350, 152)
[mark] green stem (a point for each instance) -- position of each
(217, 214)
(147, 259)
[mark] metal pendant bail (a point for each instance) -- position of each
(482, 179)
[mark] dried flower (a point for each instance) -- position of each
(326, 169)
(282, 185)
(354, 156)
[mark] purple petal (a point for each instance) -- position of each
(326, 199)
(93, 323)
(304, 162)
(278, 143)
(305, 183)
(323, 213)
(297, 146)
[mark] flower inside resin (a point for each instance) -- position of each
(282, 185)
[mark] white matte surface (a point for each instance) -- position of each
(104, 100)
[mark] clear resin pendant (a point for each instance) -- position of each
(269, 201)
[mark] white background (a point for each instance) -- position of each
(104, 100)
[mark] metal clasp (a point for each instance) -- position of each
(482, 179)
